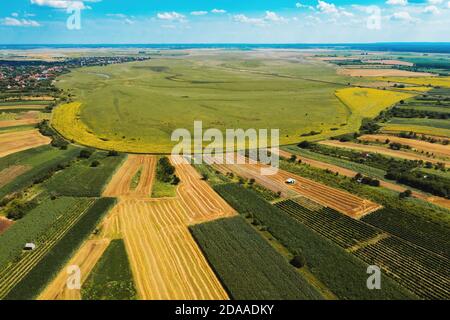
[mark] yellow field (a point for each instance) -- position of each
(421, 81)
(438, 132)
(418, 89)
(369, 102)
(66, 120)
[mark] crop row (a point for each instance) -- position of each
(343, 273)
(35, 225)
(420, 271)
(15, 272)
(82, 179)
(36, 279)
(248, 266)
(340, 228)
(414, 228)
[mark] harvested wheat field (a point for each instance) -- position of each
(363, 72)
(381, 150)
(350, 173)
(23, 107)
(437, 149)
(341, 201)
(165, 260)
(14, 123)
(200, 200)
(9, 174)
(85, 258)
(121, 183)
(18, 141)
(390, 62)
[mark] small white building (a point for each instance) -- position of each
(29, 246)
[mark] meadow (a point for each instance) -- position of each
(111, 278)
(136, 106)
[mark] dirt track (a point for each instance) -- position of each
(438, 149)
(18, 141)
(349, 173)
(381, 150)
(341, 201)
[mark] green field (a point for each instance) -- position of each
(248, 266)
(341, 272)
(44, 271)
(83, 180)
(42, 161)
(435, 123)
(142, 103)
(111, 278)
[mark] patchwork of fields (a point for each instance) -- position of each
(370, 180)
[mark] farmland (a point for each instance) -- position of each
(94, 184)
(45, 269)
(82, 179)
(426, 81)
(321, 255)
(267, 91)
(18, 141)
(344, 202)
(381, 150)
(111, 277)
(41, 162)
(226, 241)
(42, 226)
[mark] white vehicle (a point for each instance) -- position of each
(290, 181)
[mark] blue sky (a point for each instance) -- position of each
(224, 21)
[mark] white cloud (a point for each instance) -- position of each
(171, 16)
(128, 21)
(448, 4)
(218, 11)
(431, 10)
(199, 13)
(63, 4)
(402, 16)
(14, 14)
(347, 14)
(272, 16)
(13, 22)
(117, 15)
(435, 1)
(397, 2)
(299, 5)
(326, 7)
(244, 19)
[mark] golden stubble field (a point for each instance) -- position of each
(18, 141)
(165, 260)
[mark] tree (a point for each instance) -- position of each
(405, 194)
(95, 163)
(85, 154)
(299, 260)
(205, 176)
